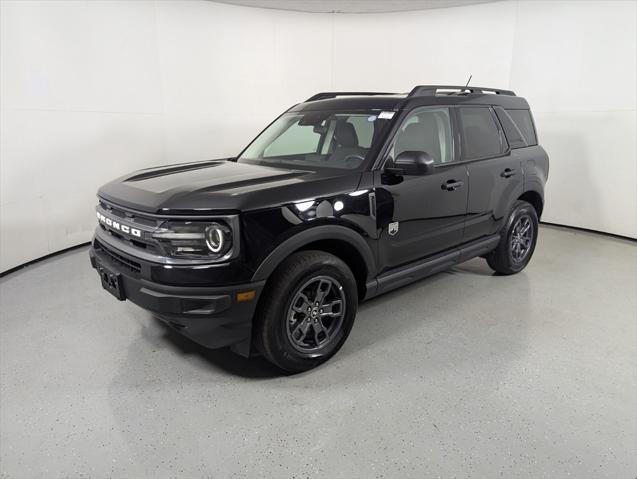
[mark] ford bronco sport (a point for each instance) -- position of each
(343, 197)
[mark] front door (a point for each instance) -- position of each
(420, 216)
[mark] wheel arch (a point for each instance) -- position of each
(536, 200)
(341, 241)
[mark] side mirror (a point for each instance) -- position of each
(412, 163)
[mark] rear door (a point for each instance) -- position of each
(495, 173)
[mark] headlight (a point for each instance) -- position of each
(215, 237)
(194, 239)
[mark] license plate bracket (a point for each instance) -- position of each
(111, 282)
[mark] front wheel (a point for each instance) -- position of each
(307, 311)
(519, 236)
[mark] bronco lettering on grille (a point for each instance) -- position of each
(111, 223)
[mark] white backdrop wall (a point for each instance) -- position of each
(91, 90)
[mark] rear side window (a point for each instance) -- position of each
(520, 132)
(482, 137)
(512, 132)
(522, 119)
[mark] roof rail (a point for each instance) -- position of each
(334, 94)
(432, 90)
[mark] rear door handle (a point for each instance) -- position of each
(508, 173)
(452, 185)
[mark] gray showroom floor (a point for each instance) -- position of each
(464, 374)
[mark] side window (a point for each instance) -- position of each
(480, 133)
(511, 130)
(429, 131)
(522, 119)
(296, 140)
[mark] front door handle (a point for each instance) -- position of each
(452, 185)
(508, 173)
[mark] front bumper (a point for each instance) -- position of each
(210, 316)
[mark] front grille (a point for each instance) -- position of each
(126, 214)
(146, 224)
(117, 258)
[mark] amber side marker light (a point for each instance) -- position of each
(246, 296)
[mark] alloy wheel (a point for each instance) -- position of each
(315, 314)
(521, 238)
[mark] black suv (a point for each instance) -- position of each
(343, 197)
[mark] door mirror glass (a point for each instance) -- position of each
(412, 163)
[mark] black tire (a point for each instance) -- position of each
(513, 253)
(276, 318)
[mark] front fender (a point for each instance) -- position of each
(310, 235)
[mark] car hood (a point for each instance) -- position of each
(221, 185)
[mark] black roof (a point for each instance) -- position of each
(421, 95)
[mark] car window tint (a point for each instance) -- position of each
(429, 131)
(511, 130)
(522, 119)
(480, 132)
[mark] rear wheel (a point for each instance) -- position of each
(307, 311)
(518, 240)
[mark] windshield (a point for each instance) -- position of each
(318, 139)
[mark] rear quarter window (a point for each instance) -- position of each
(518, 127)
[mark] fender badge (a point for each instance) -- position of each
(393, 228)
